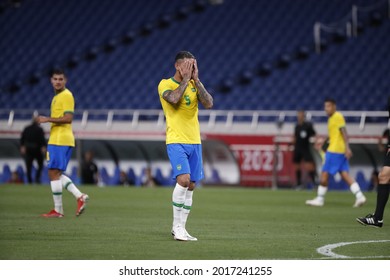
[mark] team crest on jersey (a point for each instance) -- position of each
(193, 89)
(178, 167)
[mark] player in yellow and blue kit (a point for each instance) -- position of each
(179, 97)
(60, 146)
(336, 157)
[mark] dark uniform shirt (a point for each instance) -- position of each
(303, 132)
(88, 172)
(33, 138)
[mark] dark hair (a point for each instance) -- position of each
(183, 54)
(58, 71)
(331, 100)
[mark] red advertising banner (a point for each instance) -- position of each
(262, 161)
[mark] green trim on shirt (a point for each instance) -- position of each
(165, 92)
(173, 79)
(57, 93)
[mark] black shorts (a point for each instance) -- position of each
(302, 155)
(386, 162)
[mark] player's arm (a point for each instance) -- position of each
(203, 95)
(174, 96)
(348, 152)
(65, 119)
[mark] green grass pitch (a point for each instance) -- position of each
(230, 223)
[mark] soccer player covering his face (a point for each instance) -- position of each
(179, 97)
(61, 143)
(336, 157)
(376, 219)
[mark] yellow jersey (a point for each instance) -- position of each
(336, 140)
(62, 134)
(182, 119)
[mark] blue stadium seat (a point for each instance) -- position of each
(361, 180)
(6, 174)
(124, 67)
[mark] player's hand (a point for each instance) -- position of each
(348, 153)
(23, 150)
(42, 119)
(186, 69)
(195, 71)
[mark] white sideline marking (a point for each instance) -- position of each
(327, 249)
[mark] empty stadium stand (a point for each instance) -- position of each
(117, 51)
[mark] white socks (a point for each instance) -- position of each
(355, 189)
(56, 189)
(321, 192)
(178, 199)
(186, 207)
(68, 185)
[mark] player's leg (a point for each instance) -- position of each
(297, 166)
(56, 189)
(383, 192)
(327, 169)
(311, 169)
(187, 209)
(355, 189)
(29, 162)
(376, 219)
(321, 191)
(39, 158)
(197, 174)
(54, 158)
(181, 172)
(71, 187)
(187, 204)
(309, 165)
(178, 200)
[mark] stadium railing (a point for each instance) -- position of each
(106, 119)
(349, 25)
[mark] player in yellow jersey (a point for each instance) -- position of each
(179, 97)
(336, 157)
(60, 146)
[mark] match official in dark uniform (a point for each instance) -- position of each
(376, 219)
(33, 147)
(302, 158)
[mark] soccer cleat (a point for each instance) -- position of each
(370, 220)
(315, 202)
(360, 201)
(189, 237)
(81, 204)
(179, 233)
(53, 214)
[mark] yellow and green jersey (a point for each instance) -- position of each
(62, 134)
(336, 140)
(182, 119)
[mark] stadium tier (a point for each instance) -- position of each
(116, 52)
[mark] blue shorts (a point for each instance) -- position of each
(58, 156)
(335, 163)
(186, 159)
